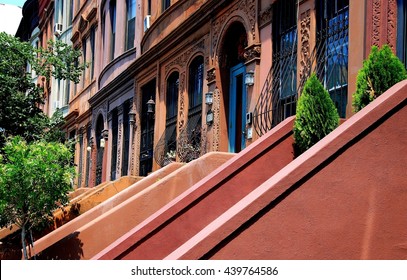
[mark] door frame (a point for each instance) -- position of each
(235, 71)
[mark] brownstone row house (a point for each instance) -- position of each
(173, 80)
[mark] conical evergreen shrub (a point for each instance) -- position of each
(380, 71)
(316, 115)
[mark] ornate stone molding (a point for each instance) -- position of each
(181, 119)
(211, 75)
(252, 52)
(265, 16)
(248, 7)
(105, 134)
(119, 144)
(382, 23)
(216, 127)
(376, 22)
(392, 24)
(305, 29)
(100, 110)
(182, 59)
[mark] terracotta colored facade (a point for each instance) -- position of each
(196, 47)
(142, 104)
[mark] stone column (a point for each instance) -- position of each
(105, 135)
(109, 150)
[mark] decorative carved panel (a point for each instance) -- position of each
(181, 110)
(305, 43)
(392, 24)
(216, 127)
(211, 75)
(252, 52)
(381, 23)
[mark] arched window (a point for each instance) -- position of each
(189, 141)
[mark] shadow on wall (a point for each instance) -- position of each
(72, 249)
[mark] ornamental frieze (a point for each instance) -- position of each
(305, 31)
(182, 59)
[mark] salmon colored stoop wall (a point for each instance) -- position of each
(91, 232)
(345, 198)
(190, 212)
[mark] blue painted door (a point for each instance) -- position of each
(237, 109)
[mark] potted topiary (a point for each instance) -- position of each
(380, 71)
(316, 115)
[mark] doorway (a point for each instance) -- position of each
(147, 130)
(237, 109)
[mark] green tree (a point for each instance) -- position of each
(34, 179)
(316, 115)
(20, 98)
(380, 71)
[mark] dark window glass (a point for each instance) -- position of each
(402, 31)
(172, 110)
(70, 16)
(166, 4)
(196, 82)
(333, 41)
(92, 52)
(284, 59)
(113, 28)
(84, 48)
(131, 23)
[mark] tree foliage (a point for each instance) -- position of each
(316, 115)
(34, 177)
(380, 71)
(20, 97)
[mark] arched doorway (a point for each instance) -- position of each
(99, 150)
(233, 71)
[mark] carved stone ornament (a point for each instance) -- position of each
(252, 52)
(216, 127)
(305, 27)
(182, 59)
(211, 75)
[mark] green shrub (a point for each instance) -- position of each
(380, 71)
(316, 115)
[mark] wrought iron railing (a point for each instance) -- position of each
(189, 140)
(186, 147)
(274, 105)
(328, 59)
